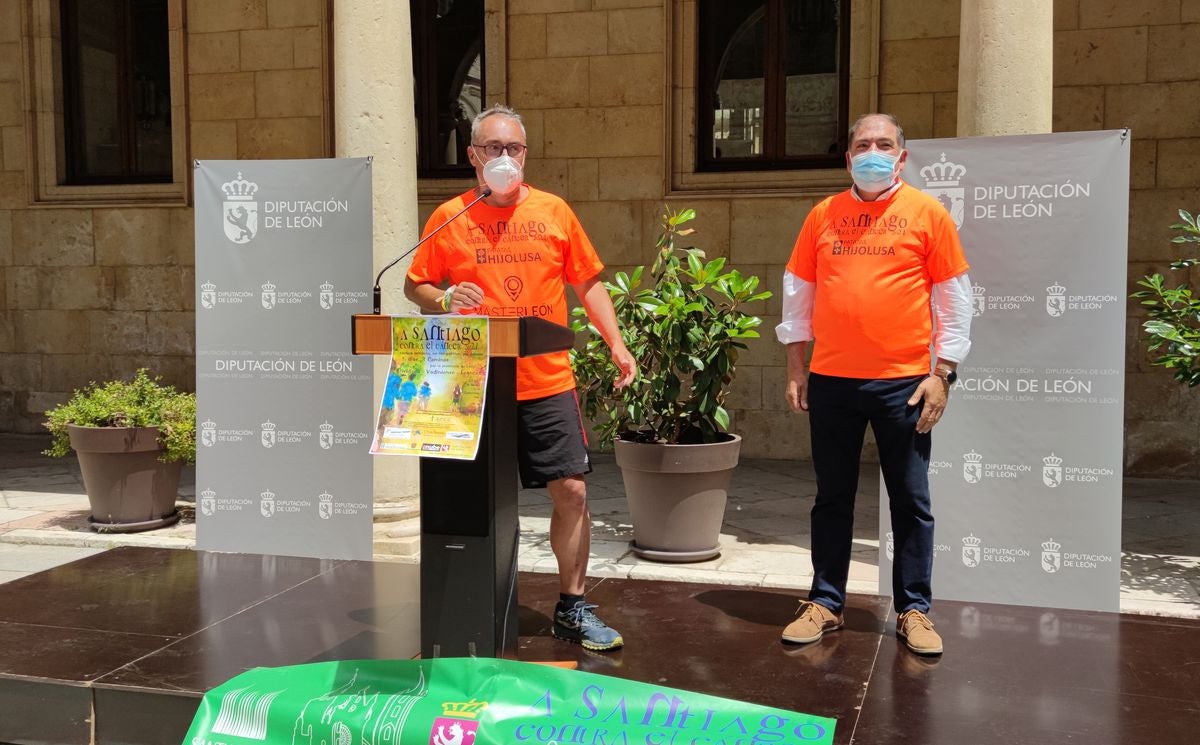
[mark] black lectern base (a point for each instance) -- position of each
(136, 635)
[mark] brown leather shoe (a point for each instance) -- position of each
(915, 628)
(812, 623)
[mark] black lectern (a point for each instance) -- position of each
(469, 523)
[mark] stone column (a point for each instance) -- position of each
(1005, 67)
(373, 116)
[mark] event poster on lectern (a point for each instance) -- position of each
(283, 259)
(1026, 465)
(433, 401)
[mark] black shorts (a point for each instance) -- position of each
(551, 440)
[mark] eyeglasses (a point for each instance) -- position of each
(493, 149)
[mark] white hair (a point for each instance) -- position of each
(498, 109)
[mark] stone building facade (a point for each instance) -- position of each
(93, 285)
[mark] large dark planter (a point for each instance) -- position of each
(677, 496)
(128, 487)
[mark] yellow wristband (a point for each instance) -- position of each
(447, 296)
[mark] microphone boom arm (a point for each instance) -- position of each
(378, 303)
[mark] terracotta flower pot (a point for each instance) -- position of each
(677, 496)
(128, 487)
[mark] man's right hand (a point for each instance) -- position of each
(797, 391)
(466, 295)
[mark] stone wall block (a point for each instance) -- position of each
(774, 434)
(636, 30)
(549, 174)
(214, 140)
(10, 21)
(945, 114)
(266, 49)
(548, 83)
(766, 349)
(13, 141)
(626, 80)
(615, 230)
(764, 230)
(288, 13)
(183, 235)
(138, 236)
(1113, 13)
(519, 7)
(50, 331)
(12, 104)
(6, 238)
(21, 371)
(1190, 11)
(1175, 52)
(1179, 165)
(213, 52)
(10, 61)
(154, 288)
(115, 331)
(582, 181)
(1100, 56)
(12, 190)
(526, 37)
(1078, 108)
(918, 65)
(23, 288)
(918, 19)
(221, 96)
(307, 46)
(284, 93)
(53, 237)
(79, 288)
(225, 15)
(70, 372)
(615, 4)
(631, 178)
(914, 110)
(747, 388)
(1143, 164)
(1066, 15)
(1151, 213)
(1154, 110)
(576, 34)
(171, 333)
(300, 137)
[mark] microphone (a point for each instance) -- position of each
(487, 192)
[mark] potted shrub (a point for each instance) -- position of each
(132, 439)
(1173, 327)
(669, 427)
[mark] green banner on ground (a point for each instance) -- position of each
(478, 702)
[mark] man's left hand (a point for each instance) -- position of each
(934, 392)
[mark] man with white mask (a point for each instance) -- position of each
(872, 267)
(513, 254)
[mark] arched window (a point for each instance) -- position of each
(448, 64)
(773, 84)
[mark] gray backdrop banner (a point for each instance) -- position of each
(283, 258)
(1026, 465)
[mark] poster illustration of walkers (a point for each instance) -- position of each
(432, 404)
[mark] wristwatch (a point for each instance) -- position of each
(946, 374)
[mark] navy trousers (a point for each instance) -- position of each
(839, 410)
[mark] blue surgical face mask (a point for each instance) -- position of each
(873, 170)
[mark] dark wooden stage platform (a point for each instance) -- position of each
(132, 637)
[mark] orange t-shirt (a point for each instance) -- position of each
(523, 257)
(874, 264)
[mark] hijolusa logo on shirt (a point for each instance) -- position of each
(842, 248)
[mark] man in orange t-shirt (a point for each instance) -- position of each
(871, 269)
(513, 254)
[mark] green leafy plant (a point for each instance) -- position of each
(685, 329)
(142, 402)
(1173, 329)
